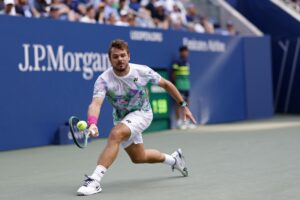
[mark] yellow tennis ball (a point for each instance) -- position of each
(81, 125)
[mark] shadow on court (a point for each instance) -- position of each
(248, 160)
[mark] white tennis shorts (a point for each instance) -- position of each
(137, 121)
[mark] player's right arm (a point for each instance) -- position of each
(93, 114)
(173, 91)
(173, 72)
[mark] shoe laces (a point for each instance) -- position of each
(173, 166)
(88, 180)
(177, 155)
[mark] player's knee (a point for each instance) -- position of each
(138, 159)
(115, 136)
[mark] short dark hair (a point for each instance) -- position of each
(119, 44)
(183, 48)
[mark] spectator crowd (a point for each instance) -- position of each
(294, 4)
(163, 14)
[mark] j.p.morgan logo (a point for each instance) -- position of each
(46, 58)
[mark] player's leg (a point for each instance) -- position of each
(138, 154)
(137, 122)
(92, 183)
(118, 134)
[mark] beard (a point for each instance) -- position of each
(121, 67)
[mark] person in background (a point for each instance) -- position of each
(177, 19)
(23, 9)
(123, 18)
(160, 17)
(40, 8)
(90, 15)
(110, 11)
(230, 28)
(207, 25)
(9, 8)
(180, 77)
(100, 13)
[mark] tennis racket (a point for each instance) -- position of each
(80, 137)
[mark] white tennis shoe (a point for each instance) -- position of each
(89, 187)
(179, 162)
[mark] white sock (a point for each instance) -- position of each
(98, 173)
(169, 160)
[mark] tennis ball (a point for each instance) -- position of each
(81, 125)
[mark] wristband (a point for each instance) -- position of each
(183, 104)
(92, 120)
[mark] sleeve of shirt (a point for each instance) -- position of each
(100, 88)
(152, 76)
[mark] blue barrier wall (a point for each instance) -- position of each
(48, 69)
(256, 57)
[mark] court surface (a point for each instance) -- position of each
(254, 160)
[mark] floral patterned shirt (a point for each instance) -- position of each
(126, 93)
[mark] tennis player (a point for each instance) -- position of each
(125, 87)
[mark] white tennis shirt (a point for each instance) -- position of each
(126, 93)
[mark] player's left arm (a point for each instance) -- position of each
(93, 114)
(172, 90)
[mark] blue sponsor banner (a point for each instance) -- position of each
(48, 69)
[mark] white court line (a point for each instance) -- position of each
(250, 126)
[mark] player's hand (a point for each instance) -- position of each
(187, 114)
(94, 130)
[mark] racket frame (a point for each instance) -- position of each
(85, 132)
